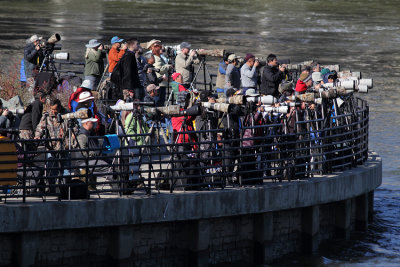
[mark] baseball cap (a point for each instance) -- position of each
(232, 57)
(175, 75)
(185, 45)
(152, 87)
(89, 120)
(116, 39)
(251, 92)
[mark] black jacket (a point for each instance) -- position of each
(31, 54)
(270, 81)
(151, 78)
(129, 72)
(32, 116)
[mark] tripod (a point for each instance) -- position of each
(48, 63)
(206, 73)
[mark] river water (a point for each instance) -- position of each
(359, 35)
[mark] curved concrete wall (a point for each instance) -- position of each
(255, 224)
(192, 205)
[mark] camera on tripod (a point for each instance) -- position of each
(80, 114)
(280, 109)
(17, 111)
(49, 46)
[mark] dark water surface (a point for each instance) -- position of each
(359, 35)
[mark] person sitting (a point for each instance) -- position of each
(116, 52)
(248, 72)
(86, 86)
(303, 83)
(151, 76)
(89, 146)
(152, 93)
(232, 77)
(177, 85)
(87, 158)
(86, 101)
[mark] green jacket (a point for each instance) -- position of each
(94, 64)
(132, 127)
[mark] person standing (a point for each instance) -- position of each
(31, 117)
(141, 63)
(272, 76)
(129, 72)
(164, 68)
(184, 63)
(248, 73)
(221, 71)
(33, 55)
(116, 52)
(94, 64)
(232, 77)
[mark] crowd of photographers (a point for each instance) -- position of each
(246, 95)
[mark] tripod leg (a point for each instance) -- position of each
(197, 73)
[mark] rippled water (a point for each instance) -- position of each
(359, 35)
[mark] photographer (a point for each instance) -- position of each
(141, 63)
(129, 77)
(135, 125)
(185, 142)
(184, 63)
(248, 73)
(151, 76)
(232, 122)
(152, 93)
(221, 71)
(94, 64)
(164, 68)
(303, 83)
(272, 76)
(232, 77)
(248, 161)
(49, 126)
(5, 122)
(116, 52)
(31, 117)
(33, 55)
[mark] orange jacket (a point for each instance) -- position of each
(113, 57)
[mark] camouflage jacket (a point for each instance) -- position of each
(54, 129)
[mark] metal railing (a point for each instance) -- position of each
(294, 146)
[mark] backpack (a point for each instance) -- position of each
(116, 75)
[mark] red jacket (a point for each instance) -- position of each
(301, 86)
(178, 129)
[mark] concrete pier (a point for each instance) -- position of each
(248, 224)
